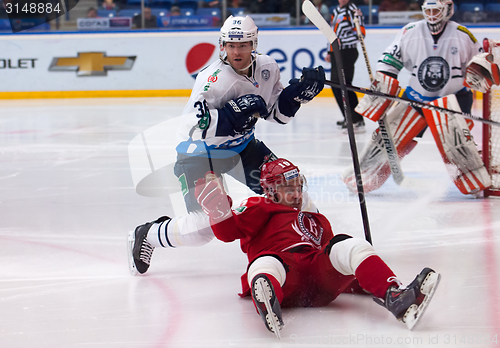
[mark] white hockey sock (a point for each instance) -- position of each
(157, 235)
(192, 229)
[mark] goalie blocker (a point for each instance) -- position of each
(374, 107)
(453, 139)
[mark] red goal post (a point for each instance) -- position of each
(491, 135)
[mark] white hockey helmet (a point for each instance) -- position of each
(437, 13)
(238, 29)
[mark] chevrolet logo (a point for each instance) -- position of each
(92, 64)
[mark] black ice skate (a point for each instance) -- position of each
(408, 304)
(139, 250)
(267, 303)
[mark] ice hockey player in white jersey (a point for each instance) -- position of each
(444, 59)
(217, 133)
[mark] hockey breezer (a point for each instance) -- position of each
(317, 19)
(414, 103)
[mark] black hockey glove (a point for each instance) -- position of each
(239, 115)
(301, 91)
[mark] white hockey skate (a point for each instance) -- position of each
(409, 304)
(267, 303)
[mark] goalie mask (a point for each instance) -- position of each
(238, 29)
(437, 13)
(276, 173)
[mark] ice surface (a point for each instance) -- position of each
(68, 201)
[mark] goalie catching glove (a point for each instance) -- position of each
(482, 73)
(212, 197)
(374, 107)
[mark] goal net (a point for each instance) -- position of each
(491, 134)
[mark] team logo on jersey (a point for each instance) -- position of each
(266, 74)
(433, 74)
(241, 208)
(454, 50)
(198, 57)
(211, 79)
(307, 227)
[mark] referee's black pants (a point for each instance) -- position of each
(349, 57)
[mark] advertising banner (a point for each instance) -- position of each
(159, 61)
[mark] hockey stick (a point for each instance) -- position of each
(390, 148)
(317, 19)
(413, 103)
(363, 47)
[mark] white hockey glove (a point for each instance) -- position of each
(212, 197)
(482, 73)
(374, 107)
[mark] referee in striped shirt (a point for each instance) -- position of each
(343, 25)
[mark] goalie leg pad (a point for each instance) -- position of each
(404, 123)
(457, 147)
(374, 107)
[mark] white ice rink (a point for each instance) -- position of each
(68, 201)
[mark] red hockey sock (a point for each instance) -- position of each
(373, 275)
(277, 289)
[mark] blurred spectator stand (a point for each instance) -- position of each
(192, 21)
(393, 5)
(163, 4)
(399, 17)
(106, 13)
(215, 13)
(149, 20)
(109, 5)
(365, 10)
(188, 4)
(493, 11)
(472, 12)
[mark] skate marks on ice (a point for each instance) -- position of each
(65, 280)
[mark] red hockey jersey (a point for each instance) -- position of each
(262, 225)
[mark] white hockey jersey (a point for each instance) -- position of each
(214, 87)
(437, 68)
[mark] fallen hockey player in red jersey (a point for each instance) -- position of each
(295, 260)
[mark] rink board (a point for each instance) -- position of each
(146, 64)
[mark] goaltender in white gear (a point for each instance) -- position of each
(440, 55)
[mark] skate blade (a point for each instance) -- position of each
(428, 288)
(271, 318)
(131, 265)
